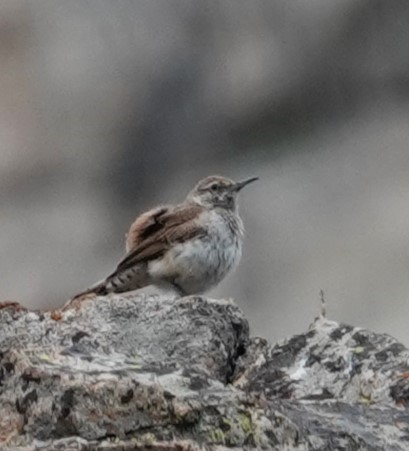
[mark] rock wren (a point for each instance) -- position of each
(189, 247)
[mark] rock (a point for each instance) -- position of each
(142, 372)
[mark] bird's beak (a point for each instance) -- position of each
(239, 185)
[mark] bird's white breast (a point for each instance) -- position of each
(198, 264)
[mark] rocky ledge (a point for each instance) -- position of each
(152, 373)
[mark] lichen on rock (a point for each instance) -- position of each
(140, 372)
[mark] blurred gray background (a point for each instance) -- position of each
(108, 107)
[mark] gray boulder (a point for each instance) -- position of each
(143, 372)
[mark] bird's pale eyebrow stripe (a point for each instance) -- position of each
(217, 182)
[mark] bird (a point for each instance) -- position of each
(188, 248)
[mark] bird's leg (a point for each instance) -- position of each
(179, 290)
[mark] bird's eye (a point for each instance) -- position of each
(214, 186)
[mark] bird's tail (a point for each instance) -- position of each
(98, 289)
(118, 282)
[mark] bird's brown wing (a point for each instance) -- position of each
(145, 225)
(158, 230)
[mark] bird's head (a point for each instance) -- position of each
(217, 191)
